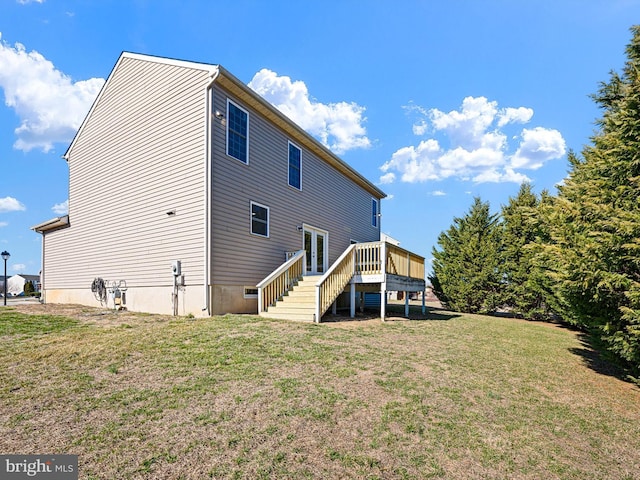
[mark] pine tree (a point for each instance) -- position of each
(595, 238)
(466, 275)
(522, 229)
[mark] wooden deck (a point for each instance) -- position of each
(381, 263)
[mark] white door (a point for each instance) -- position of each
(315, 246)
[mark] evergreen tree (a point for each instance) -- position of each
(28, 288)
(522, 229)
(595, 237)
(466, 275)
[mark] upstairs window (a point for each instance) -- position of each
(295, 166)
(374, 212)
(259, 220)
(237, 132)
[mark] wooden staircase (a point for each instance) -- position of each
(299, 304)
(286, 294)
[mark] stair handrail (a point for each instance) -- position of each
(332, 283)
(281, 280)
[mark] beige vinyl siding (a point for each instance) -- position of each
(140, 154)
(328, 201)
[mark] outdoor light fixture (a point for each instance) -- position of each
(5, 257)
(219, 114)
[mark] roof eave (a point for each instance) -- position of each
(53, 224)
(246, 94)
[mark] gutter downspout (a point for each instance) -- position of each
(207, 191)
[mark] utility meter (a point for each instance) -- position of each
(176, 267)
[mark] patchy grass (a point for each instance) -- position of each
(450, 396)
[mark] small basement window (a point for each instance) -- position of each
(250, 292)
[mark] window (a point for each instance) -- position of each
(250, 292)
(259, 219)
(374, 212)
(237, 132)
(295, 166)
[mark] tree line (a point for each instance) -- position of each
(574, 256)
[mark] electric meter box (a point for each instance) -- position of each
(176, 267)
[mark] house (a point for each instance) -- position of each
(16, 284)
(187, 190)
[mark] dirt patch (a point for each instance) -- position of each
(96, 316)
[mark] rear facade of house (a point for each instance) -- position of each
(186, 189)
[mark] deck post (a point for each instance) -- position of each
(259, 300)
(352, 300)
(424, 294)
(406, 304)
(383, 285)
(334, 308)
(317, 316)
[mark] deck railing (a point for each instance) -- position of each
(368, 257)
(404, 263)
(399, 261)
(332, 283)
(272, 288)
(362, 259)
(365, 259)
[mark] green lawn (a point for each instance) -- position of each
(450, 396)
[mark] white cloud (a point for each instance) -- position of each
(538, 146)
(61, 208)
(49, 104)
(18, 267)
(388, 178)
(10, 204)
(512, 115)
(26, 2)
(495, 176)
(4, 224)
(338, 126)
(438, 193)
(477, 149)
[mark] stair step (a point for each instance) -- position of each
(299, 317)
(292, 309)
(298, 304)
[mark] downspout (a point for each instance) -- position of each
(207, 192)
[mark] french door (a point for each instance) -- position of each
(316, 248)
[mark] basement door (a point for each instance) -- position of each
(315, 246)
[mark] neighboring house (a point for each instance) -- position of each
(16, 283)
(187, 189)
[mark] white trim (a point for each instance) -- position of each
(213, 69)
(229, 102)
(208, 194)
(289, 144)
(325, 248)
(252, 203)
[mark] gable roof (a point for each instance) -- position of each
(234, 86)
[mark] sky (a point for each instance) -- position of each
(435, 102)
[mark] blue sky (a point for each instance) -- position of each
(436, 102)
